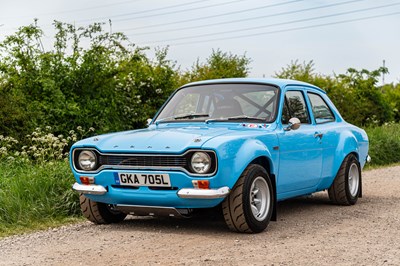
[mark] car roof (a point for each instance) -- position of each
(281, 83)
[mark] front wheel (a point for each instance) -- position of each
(346, 187)
(99, 213)
(249, 206)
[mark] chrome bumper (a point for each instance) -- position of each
(195, 193)
(186, 193)
(368, 159)
(89, 189)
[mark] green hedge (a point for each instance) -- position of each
(384, 142)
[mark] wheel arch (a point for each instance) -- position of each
(356, 154)
(347, 145)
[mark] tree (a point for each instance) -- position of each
(356, 93)
(218, 65)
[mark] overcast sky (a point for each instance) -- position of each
(335, 34)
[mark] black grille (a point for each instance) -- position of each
(143, 161)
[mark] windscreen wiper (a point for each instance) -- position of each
(185, 116)
(190, 116)
(245, 117)
(239, 117)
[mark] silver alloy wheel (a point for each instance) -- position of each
(354, 179)
(260, 198)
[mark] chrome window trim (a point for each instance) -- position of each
(158, 168)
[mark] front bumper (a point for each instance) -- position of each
(89, 189)
(186, 193)
(195, 193)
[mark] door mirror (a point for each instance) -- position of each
(294, 123)
(149, 121)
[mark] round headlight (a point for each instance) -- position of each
(201, 162)
(87, 160)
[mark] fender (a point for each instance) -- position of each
(251, 150)
(237, 153)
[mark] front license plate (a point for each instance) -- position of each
(143, 180)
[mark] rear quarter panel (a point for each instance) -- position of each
(341, 139)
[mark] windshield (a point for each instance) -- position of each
(222, 102)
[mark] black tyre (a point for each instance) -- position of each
(346, 187)
(99, 213)
(249, 206)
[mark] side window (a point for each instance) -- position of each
(322, 112)
(295, 106)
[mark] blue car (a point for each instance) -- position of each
(242, 144)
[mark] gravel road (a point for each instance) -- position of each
(309, 231)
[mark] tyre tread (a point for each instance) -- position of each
(233, 205)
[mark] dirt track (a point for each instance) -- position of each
(309, 231)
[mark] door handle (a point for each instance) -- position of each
(318, 135)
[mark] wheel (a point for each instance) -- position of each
(346, 187)
(249, 206)
(99, 213)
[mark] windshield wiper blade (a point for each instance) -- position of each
(239, 117)
(245, 117)
(190, 116)
(186, 116)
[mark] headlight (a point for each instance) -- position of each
(201, 162)
(87, 160)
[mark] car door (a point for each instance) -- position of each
(300, 151)
(328, 129)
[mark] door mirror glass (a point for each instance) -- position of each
(294, 123)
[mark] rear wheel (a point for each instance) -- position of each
(249, 206)
(99, 213)
(346, 187)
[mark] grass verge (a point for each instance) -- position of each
(36, 196)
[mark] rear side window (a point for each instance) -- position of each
(295, 106)
(321, 111)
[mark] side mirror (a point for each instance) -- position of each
(294, 123)
(149, 121)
